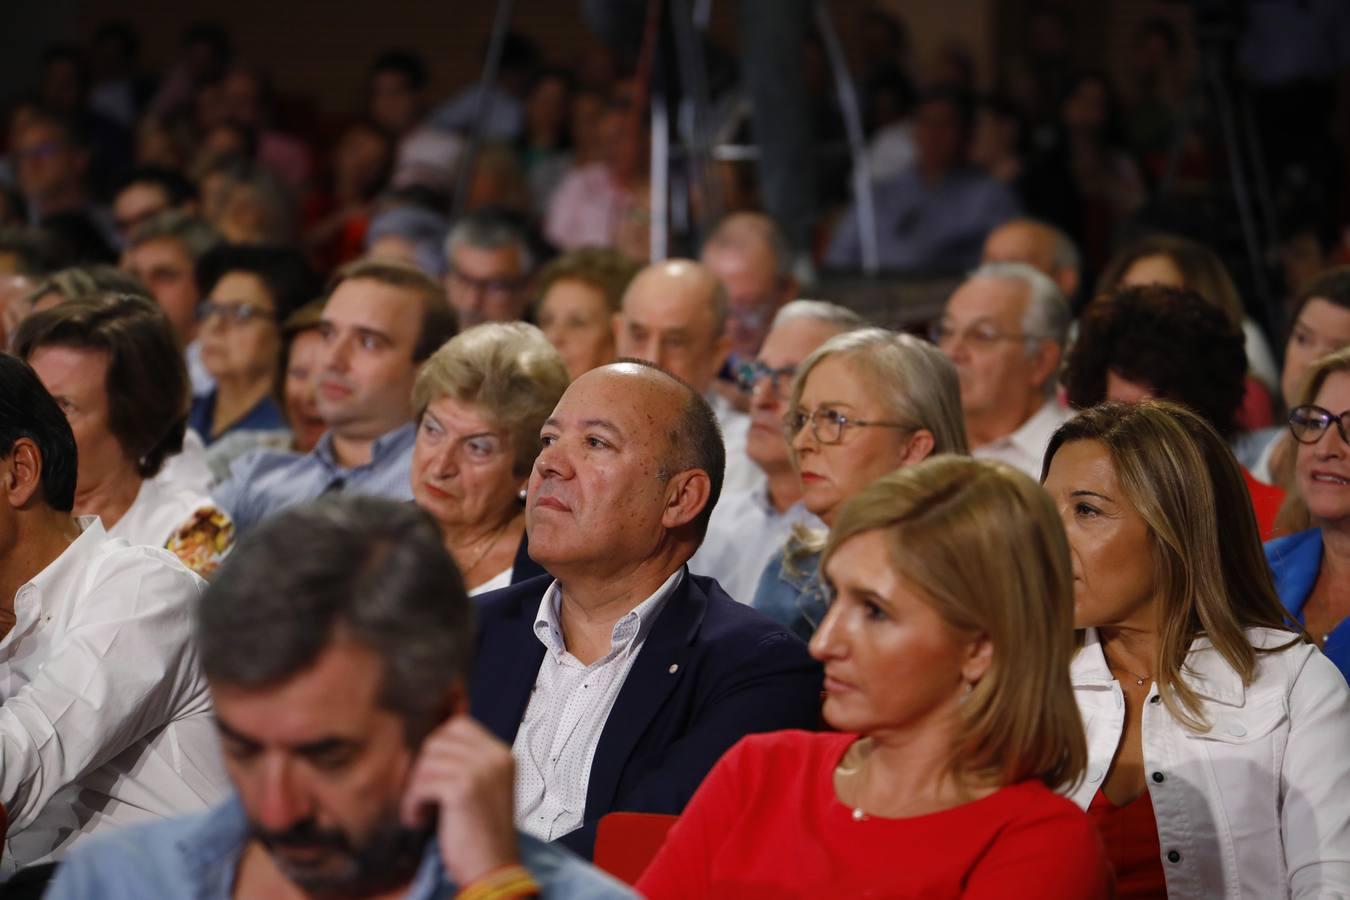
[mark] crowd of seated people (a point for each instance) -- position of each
(360, 539)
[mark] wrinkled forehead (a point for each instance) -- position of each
(1002, 301)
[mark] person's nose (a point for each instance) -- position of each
(805, 438)
(337, 354)
(281, 803)
(553, 462)
(828, 642)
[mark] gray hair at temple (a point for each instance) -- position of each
(1048, 315)
(193, 233)
(422, 228)
(490, 229)
(370, 569)
(840, 317)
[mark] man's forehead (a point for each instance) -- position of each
(992, 298)
(478, 260)
(624, 395)
(367, 303)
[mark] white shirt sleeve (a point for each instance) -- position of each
(124, 667)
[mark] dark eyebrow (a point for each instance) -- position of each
(602, 424)
(236, 736)
(1091, 494)
(313, 748)
(371, 332)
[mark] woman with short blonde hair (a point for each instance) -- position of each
(479, 402)
(1215, 731)
(864, 403)
(946, 650)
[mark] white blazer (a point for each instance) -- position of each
(1258, 806)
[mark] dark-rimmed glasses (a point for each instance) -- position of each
(1308, 423)
(233, 313)
(828, 425)
(749, 374)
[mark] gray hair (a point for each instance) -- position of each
(509, 370)
(194, 234)
(913, 379)
(840, 317)
(371, 569)
(488, 229)
(1047, 316)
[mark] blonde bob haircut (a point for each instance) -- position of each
(914, 380)
(507, 370)
(1210, 573)
(984, 546)
(1294, 514)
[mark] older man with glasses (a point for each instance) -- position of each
(748, 525)
(1004, 329)
(488, 267)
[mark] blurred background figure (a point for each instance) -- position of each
(580, 294)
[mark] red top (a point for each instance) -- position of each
(1266, 502)
(1130, 834)
(766, 823)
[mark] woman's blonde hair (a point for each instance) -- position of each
(912, 378)
(1211, 575)
(1293, 515)
(509, 370)
(984, 545)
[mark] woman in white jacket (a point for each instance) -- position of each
(1218, 737)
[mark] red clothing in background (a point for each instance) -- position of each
(1130, 834)
(766, 823)
(1266, 502)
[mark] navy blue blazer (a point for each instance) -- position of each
(711, 671)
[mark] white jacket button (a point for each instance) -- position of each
(1236, 729)
(1094, 775)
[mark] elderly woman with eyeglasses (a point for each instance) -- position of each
(250, 290)
(863, 404)
(1312, 566)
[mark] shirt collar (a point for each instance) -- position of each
(1205, 671)
(54, 580)
(1032, 437)
(387, 445)
(631, 628)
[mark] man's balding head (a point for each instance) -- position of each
(674, 316)
(1041, 246)
(750, 254)
(630, 470)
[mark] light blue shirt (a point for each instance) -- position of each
(269, 481)
(198, 856)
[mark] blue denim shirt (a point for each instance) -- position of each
(266, 481)
(196, 857)
(797, 600)
(1295, 561)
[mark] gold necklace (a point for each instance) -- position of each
(859, 774)
(1140, 680)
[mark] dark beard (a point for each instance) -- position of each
(388, 858)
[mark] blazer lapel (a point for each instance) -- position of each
(507, 665)
(662, 662)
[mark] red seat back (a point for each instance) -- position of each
(625, 842)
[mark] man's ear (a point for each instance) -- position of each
(687, 494)
(721, 349)
(1045, 364)
(22, 474)
(457, 700)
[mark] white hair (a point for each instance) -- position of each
(1047, 316)
(840, 317)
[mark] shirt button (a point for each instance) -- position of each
(1159, 777)
(1236, 729)
(1173, 856)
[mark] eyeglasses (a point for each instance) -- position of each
(233, 313)
(499, 286)
(1308, 423)
(978, 336)
(828, 425)
(749, 374)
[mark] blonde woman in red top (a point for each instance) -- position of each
(946, 650)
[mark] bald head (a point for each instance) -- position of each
(674, 316)
(750, 255)
(1041, 246)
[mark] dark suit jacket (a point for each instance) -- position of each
(710, 672)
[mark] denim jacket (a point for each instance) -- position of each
(795, 600)
(197, 857)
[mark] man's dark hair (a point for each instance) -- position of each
(695, 443)
(404, 63)
(1183, 348)
(147, 382)
(28, 411)
(212, 35)
(72, 128)
(439, 322)
(283, 271)
(368, 569)
(35, 251)
(959, 100)
(177, 187)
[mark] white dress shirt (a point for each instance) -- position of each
(158, 511)
(743, 534)
(1025, 447)
(741, 473)
(567, 712)
(1259, 804)
(189, 468)
(105, 719)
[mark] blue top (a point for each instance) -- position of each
(266, 415)
(796, 601)
(196, 856)
(927, 226)
(1295, 561)
(266, 481)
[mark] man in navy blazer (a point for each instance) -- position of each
(620, 679)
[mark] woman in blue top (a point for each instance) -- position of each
(1312, 567)
(863, 404)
